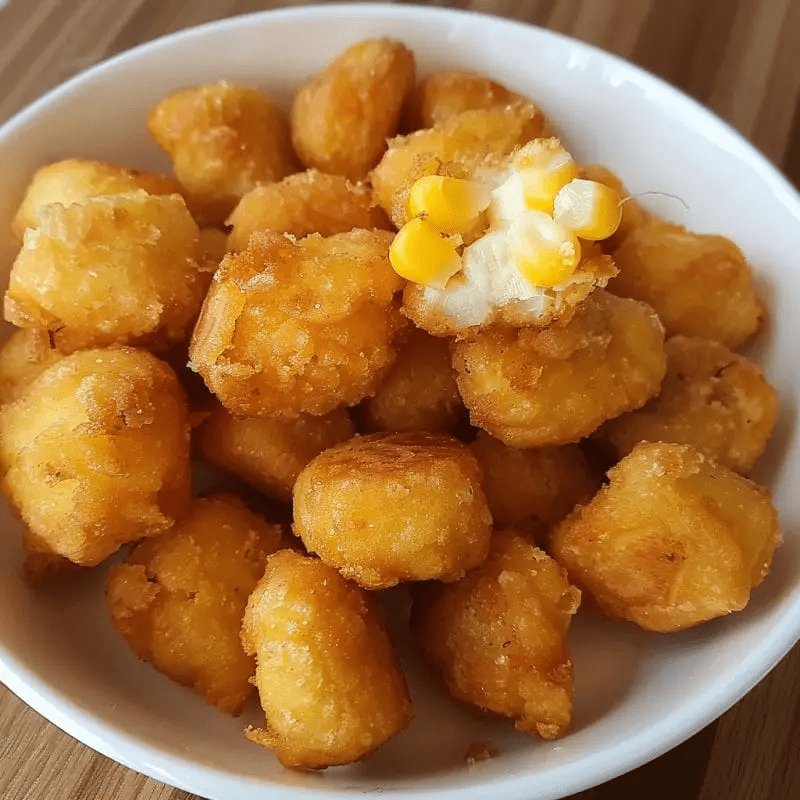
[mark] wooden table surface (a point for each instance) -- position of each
(740, 57)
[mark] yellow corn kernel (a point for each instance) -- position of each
(420, 253)
(451, 205)
(545, 167)
(545, 253)
(591, 210)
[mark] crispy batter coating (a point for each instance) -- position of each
(532, 387)
(343, 116)
(121, 269)
(396, 507)
(457, 146)
(23, 357)
(224, 140)
(419, 392)
(269, 454)
(178, 599)
(299, 327)
(329, 680)
(532, 489)
(308, 202)
(446, 92)
(711, 398)
(672, 541)
(497, 637)
(699, 285)
(96, 452)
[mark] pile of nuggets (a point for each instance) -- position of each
(422, 324)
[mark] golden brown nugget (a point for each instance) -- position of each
(343, 116)
(308, 202)
(269, 454)
(419, 392)
(387, 508)
(23, 357)
(96, 452)
(672, 541)
(299, 327)
(329, 680)
(699, 285)
(535, 488)
(178, 599)
(497, 637)
(223, 140)
(121, 269)
(535, 387)
(711, 398)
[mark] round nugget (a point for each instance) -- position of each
(396, 507)
(299, 327)
(178, 599)
(533, 387)
(329, 680)
(497, 637)
(96, 452)
(23, 357)
(672, 541)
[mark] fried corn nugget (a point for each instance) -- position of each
(178, 599)
(711, 398)
(299, 327)
(96, 452)
(343, 116)
(75, 180)
(308, 202)
(534, 387)
(223, 140)
(419, 392)
(387, 508)
(329, 680)
(119, 269)
(532, 489)
(497, 637)
(447, 92)
(699, 285)
(23, 357)
(672, 541)
(269, 454)
(457, 146)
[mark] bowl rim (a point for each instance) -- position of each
(589, 770)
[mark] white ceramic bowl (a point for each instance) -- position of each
(636, 694)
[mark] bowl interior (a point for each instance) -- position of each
(636, 694)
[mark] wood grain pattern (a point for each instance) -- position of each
(738, 57)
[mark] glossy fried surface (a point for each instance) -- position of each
(531, 387)
(299, 327)
(672, 541)
(711, 398)
(96, 452)
(388, 508)
(327, 675)
(497, 637)
(23, 357)
(343, 116)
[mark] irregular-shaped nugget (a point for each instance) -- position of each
(299, 327)
(535, 488)
(328, 677)
(397, 507)
(224, 140)
(96, 452)
(534, 387)
(308, 202)
(699, 285)
(711, 398)
(23, 357)
(419, 392)
(343, 116)
(178, 599)
(497, 637)
(121, 269)
(269, 454)
(672, 541)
